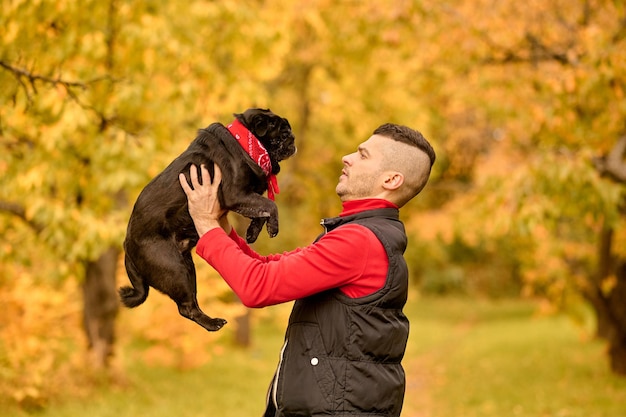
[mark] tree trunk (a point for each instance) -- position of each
(617, 355)
(242, 329)
(609, 301)
(101, 306)
(606, 292)
(603, 319)
(617, 339)
(601, 305)
(601, 312)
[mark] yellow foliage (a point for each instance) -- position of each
(40, 337)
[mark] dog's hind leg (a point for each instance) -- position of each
(174, 274)
(137, 294)
(188, 303)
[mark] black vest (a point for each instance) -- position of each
(342, 355)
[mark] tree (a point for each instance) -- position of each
(58, 169)
(93, 105)
(548, 82)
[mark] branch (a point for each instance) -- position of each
(613, 165)
(541, 52)
(530, 50)
(22, 73)
(621, 31)
(19, 211)
(28, 78)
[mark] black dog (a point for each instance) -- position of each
(161, 234)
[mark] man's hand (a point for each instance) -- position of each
(204, 206)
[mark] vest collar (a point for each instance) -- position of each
(333, 222)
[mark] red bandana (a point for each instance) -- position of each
(257, 152)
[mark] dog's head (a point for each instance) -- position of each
(273, 131)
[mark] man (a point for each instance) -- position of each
(347, 333)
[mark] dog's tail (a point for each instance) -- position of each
(137, 294)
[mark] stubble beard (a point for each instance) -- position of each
(361, 188)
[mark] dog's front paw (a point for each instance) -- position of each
(256, 225)
(251, 237)
(272, 226)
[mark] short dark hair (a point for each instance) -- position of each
(407, 135)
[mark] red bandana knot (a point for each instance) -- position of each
(257, 152)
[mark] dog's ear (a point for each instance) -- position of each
(261, 125)
(258, 123)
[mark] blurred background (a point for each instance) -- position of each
(517, 246)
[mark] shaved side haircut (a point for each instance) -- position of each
(414, 161)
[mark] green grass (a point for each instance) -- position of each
(486, 359)
(465, 358)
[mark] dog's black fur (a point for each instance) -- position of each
(161, 233)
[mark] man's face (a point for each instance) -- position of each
(362, 170)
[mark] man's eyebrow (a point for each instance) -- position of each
(363, 150)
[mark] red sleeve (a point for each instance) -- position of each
(243, 245)
(350, 258)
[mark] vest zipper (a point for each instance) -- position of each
(280, 364)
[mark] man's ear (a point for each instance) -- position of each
(393, 180)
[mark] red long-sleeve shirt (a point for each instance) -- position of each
(349, 257)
